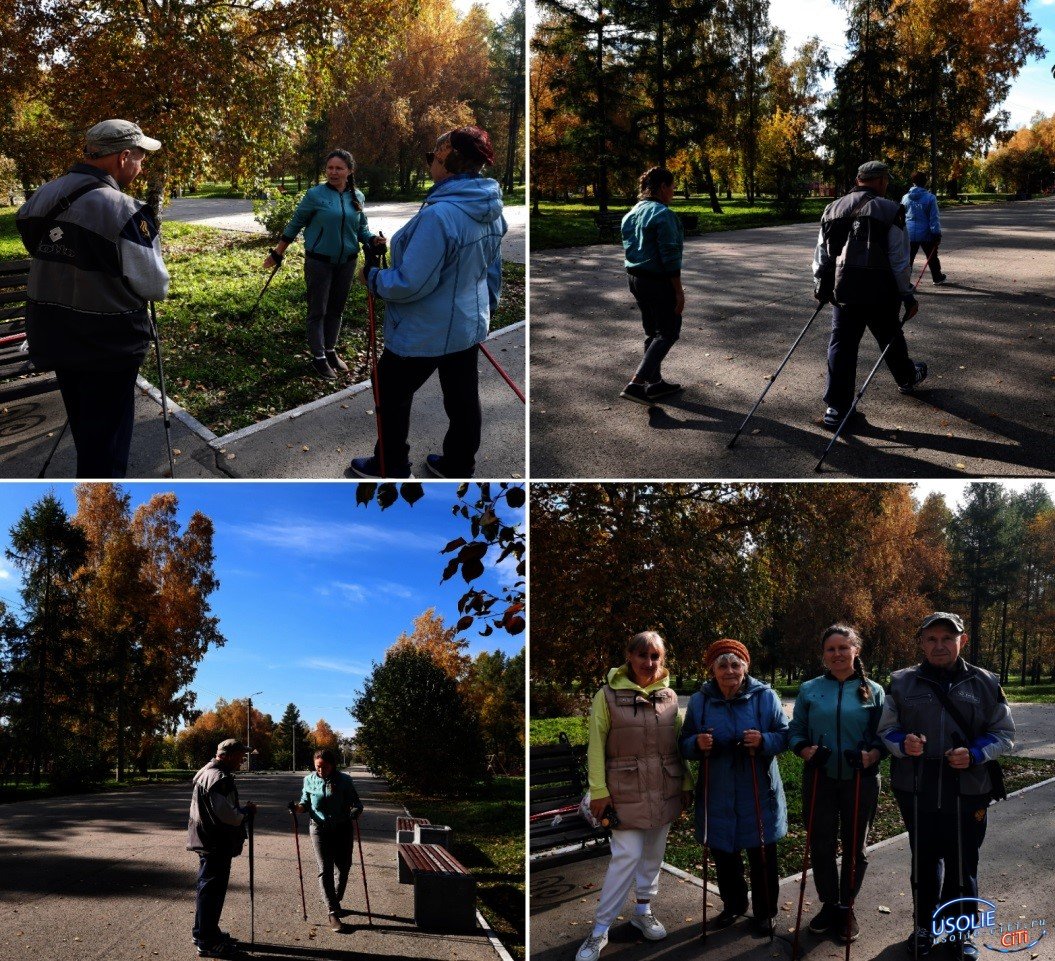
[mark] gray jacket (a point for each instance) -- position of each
(217, 823)
(913, 707)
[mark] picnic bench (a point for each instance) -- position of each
(444, 891)
(18, 377)
(557, 785)
(608, 223)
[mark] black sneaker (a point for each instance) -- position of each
(848, 929)
(940, 279)
(370, 468)
(335, 363)
(661, 388)
(224, 949)
(763, 926)
(828, 916)
(920, 376)
(322, 369)
(919, 943)
(966, 950)
(833, 418)
(637, 393)
(726, 917)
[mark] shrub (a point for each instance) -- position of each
(274, 211)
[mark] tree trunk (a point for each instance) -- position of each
(602, 118)
(708, 180)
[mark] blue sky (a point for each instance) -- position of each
(1032, 91)
(312, 588)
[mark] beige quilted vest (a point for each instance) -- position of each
(643, 771)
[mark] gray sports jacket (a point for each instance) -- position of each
(912, 707)
(216, 824)
(95, 266)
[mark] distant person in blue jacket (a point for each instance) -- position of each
(652, 242)
(738, 723)
(440, 294)
(840, 711)
(334, 223)
(924, 227)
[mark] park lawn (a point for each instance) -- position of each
(229, 372)
(683, 850)
(488, 832)
(22, 790)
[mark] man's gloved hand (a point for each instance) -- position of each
(823, 294)
(357, 812)
(911, 307)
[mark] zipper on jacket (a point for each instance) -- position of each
(839, 730)
(340, 256)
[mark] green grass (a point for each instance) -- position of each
(572, 225)
(227, 372)
(546, 730)
(488, 834)
(21, 790)
(1031, 693)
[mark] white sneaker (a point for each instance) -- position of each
(649, 926)
(592, 947)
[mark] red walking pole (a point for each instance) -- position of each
(497, 366)
(805, 862)
(853, 858)
(362, 864)
(706, 832)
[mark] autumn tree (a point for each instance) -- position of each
(196, 744)
(441, 643)
(495, 688)
(324, 737)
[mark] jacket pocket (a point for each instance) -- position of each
(623, 778)
(673, 777)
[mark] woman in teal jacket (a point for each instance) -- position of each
(334, 223)
(739, 724)
(840, 711)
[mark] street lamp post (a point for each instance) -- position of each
(248, 731)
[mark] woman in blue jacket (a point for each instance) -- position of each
(924, 227)
(840, 711)
(334, 223)
(440, 293)
(738, 722)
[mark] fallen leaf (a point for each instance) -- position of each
(883, 909)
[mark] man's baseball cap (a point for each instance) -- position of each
(113, 136)
(231, 746)
(872, 170)
(939, 616)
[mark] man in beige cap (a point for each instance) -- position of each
(216, 830)
(861, 265)
(96, 264)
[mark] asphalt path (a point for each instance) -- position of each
(229, 213)
(107, 876)
(988, 335)
(1015, 871)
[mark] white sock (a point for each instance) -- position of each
(599, 930)
(640, 908)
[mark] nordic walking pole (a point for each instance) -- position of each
(706, 829)
(957, 742)
(497, 366)
(915, 856)
(252, 310)
(362, 865)
(774, 376)
(300, 870)
(252, 901)
(161, 384)
(761, 842)
(816, 761)
(868, 379)
(54, 447)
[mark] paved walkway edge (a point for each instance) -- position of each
(216, 442)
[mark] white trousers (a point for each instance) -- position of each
(636, 858)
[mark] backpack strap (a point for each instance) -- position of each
(66, 202)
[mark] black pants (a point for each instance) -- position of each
(848, 327)
(214, 873)
(833, 814)
(101, 409)
(400, 377)
(928, 246)
(656, 298)
(327, 288)
(937, 854)
(333, 853)
(729, 866)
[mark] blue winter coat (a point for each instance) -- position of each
(446, 275)
(730, 822)
(921, 215)
(332, 226)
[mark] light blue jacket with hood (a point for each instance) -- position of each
(921, 215)
(446, 275)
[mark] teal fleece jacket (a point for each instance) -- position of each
(332, 226)
(653, 239)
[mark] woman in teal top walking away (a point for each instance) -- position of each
(653, 241)
(839, 711)
(332, 802)
(334, 223)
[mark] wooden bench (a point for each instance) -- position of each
(558, 782)
(444, 891)
(18, 377)
(404, 823)
(405, 835)
(608, 223)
